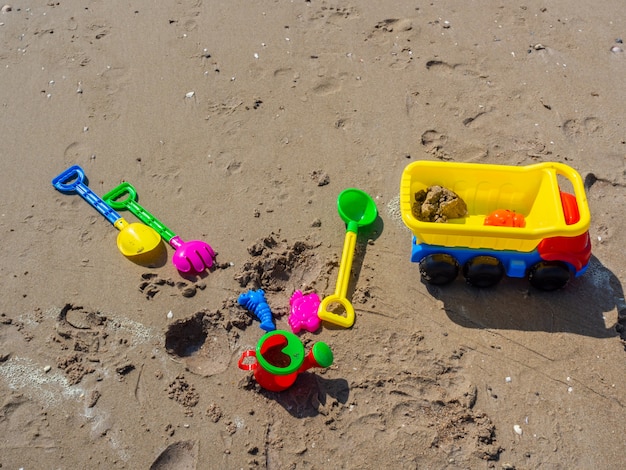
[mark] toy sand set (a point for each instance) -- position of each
(532, 192)
(308, 235)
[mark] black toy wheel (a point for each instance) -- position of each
(483, 271)
(549, 275)
(439, 269)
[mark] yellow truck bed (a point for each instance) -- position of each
(531, 190)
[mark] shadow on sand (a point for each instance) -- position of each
(310, 395)
(578, 308)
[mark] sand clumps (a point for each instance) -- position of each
(438, 204)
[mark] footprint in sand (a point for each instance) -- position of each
(189, 12)
(286, 76)
(401, 61)
(76, 151)
(182, 455)
(400, 34)
(327, 86)
(152, 284)
(226, 162)
(114, 79)
(201, 343)
(24, 424)
(383, 30)
(190, 25)
(335, 16)
(433, 140)
(98, 29)
(103, 100)
(394, 24)
(574, 128)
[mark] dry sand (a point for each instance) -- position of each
(239, 122)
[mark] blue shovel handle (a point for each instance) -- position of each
(72, 180)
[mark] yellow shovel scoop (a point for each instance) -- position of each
(357, 209)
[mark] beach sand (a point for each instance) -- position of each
(239, 123)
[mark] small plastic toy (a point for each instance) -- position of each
(357, 209)
(133, 239)
(505, 218)
(254, 301)
(551, 246)
(194, 255)
(280, 357)
(303, 314)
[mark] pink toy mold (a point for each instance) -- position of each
(303, 314)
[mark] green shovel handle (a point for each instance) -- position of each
(124, 197)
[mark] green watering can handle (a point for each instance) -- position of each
(115, 199)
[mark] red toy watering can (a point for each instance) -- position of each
(280, 357)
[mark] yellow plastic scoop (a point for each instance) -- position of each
(357, 209)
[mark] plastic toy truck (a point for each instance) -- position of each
(519, 223)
